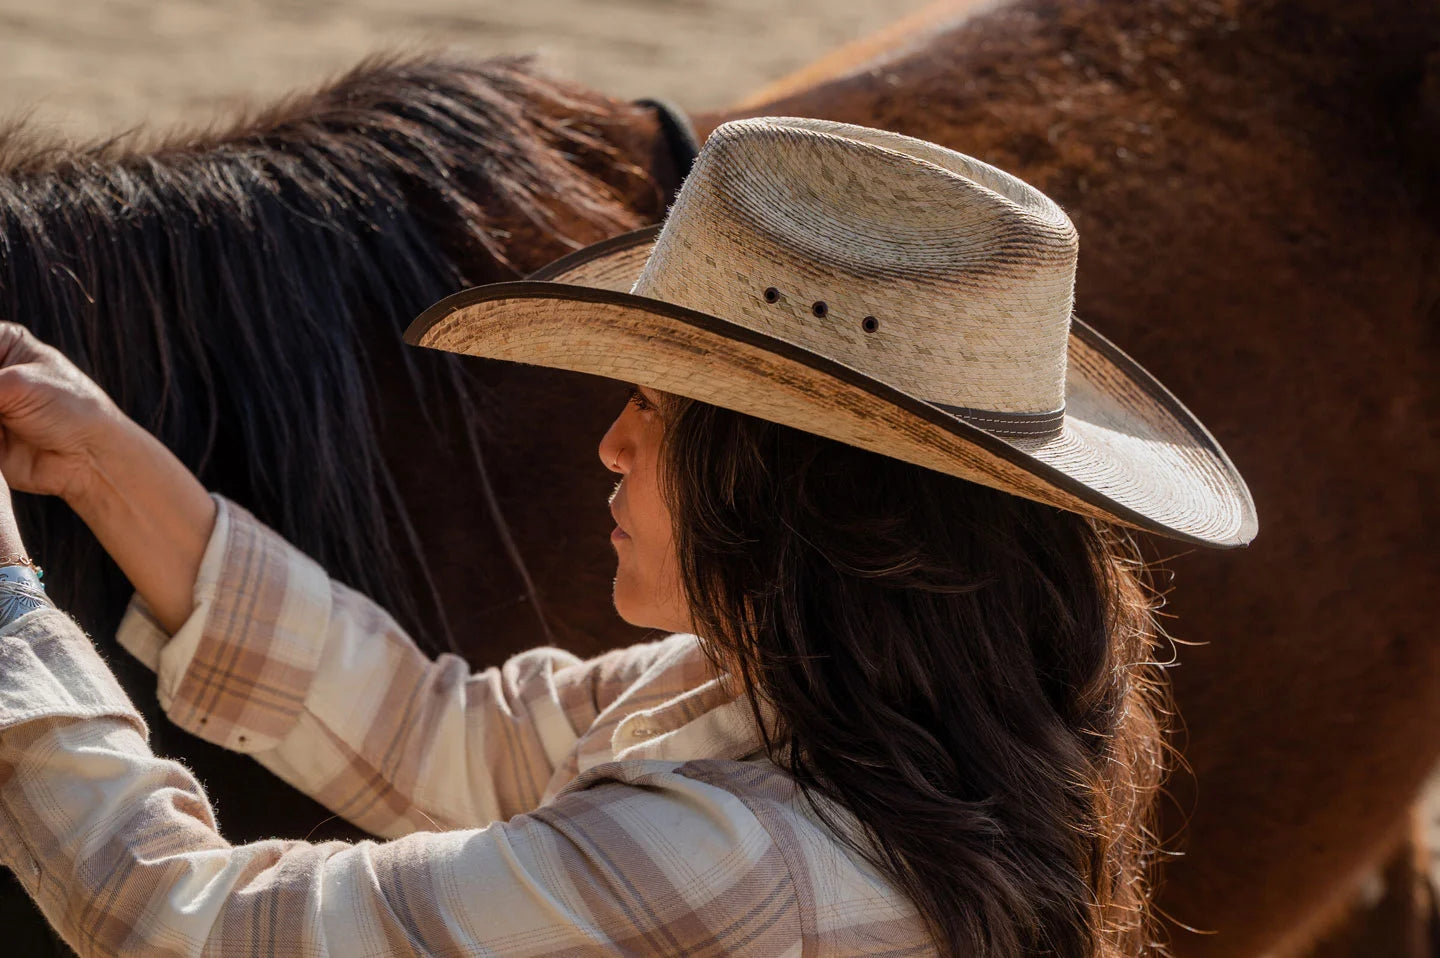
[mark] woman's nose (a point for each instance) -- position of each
(612, 448)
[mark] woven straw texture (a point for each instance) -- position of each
(883, 292)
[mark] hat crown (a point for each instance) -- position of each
(917, 265)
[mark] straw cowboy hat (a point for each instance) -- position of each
(884, 292)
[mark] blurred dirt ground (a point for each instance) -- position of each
(97, 67)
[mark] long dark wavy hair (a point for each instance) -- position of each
(968, 673)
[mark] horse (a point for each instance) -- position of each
(1256, 189)
(272, 266)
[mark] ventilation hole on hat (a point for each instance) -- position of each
(820, 309)
(772, 294)
(870, 324)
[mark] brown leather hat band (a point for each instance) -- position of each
(1041, 424)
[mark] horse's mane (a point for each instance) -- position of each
(231, 288)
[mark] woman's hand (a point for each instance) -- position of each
(61, 435)
(53, 418)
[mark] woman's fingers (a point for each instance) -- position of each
(51, 414)
(18, 345)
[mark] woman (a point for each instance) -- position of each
(867, 475)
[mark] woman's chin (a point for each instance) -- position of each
(627, 608)
(642, 615)
(638, 604)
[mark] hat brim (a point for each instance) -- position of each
(1128, 451)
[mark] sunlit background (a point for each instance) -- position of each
(97, 67)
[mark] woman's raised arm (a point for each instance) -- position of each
(63, 436)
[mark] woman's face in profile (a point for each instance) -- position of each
(647, 582)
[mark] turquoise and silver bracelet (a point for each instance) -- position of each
(21, 588)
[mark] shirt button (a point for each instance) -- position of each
(640, 732)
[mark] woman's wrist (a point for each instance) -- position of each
(117, 444)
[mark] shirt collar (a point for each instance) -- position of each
(709, 721)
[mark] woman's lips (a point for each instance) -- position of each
(618, 532)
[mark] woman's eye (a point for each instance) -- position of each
(638, 398)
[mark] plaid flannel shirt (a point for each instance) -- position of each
(547, 806)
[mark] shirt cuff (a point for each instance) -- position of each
(238, 670)
(49, 669)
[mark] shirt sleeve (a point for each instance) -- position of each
(322, 687)
(119, 848)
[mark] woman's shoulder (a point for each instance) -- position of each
(745, 824)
